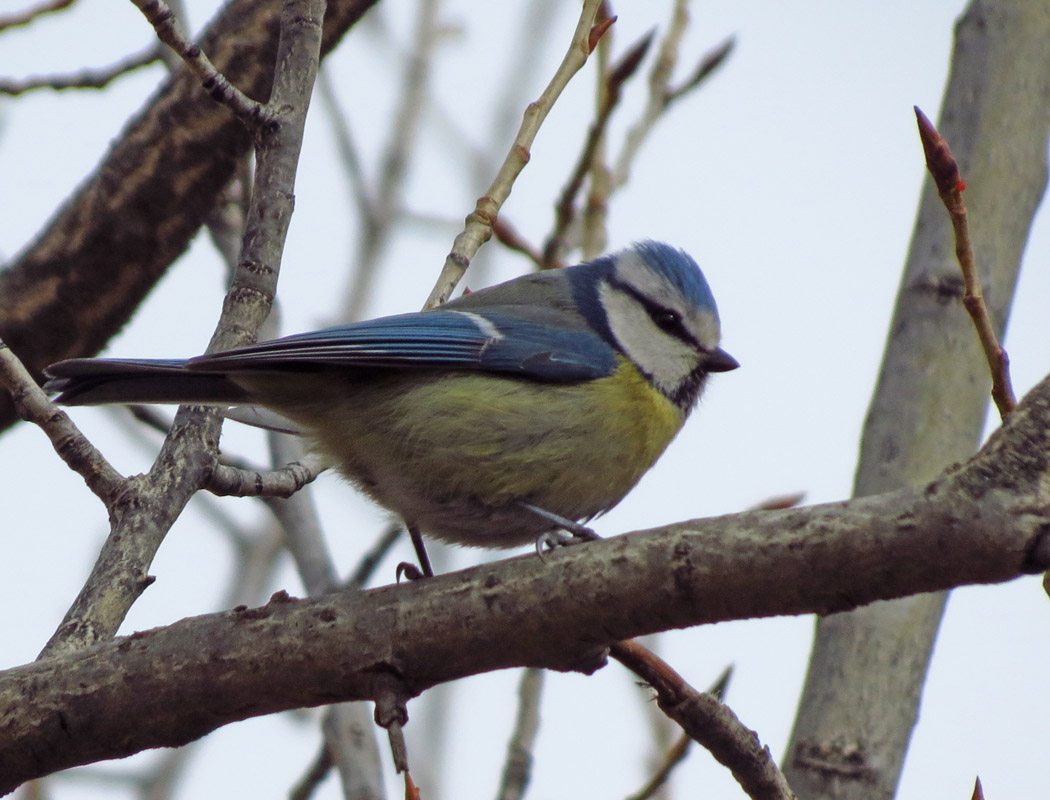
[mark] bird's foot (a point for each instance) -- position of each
(568, 532)
(407, 569)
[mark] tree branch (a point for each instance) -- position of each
(28, 15)
(866, 675)
(478, 227)
(950, 184)
(983, 522)
(144, 511)
(164, 22)
(91, 78)
(79, 282)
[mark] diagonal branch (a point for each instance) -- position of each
(28, 15)
(163, 20)
(96, 78)
(144, 511)
(950, 185)
(708, 721)
(80, 280)
(479, 222)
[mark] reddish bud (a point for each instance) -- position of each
(939, 159)
(598, 31)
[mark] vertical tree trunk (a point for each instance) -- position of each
(867, 669)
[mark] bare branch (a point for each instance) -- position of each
(676, 754)
(508, 236)
(32, 13)
(370, 560)
(612, 90)
(518, 767)
(226, 481)
(981, 522)
(315, 773)
(162, 18)
(387, 206)
(479, 222)
(72, 446)
(661, 94)
(349, 735)
(707, 66)
(85, 79)
(346, 149)
(142, 515)
(950, 186)
(708, 722)
(109, 248)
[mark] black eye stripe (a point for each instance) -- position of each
(655, 311)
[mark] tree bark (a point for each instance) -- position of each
(82, 278)
(988, 521)
(868, 667)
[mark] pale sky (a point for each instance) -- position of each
(755, 177)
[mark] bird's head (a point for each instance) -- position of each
(652, 303)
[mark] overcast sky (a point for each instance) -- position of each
(755, 176)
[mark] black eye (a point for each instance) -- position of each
(666, 320)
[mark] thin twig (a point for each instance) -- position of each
(315, 773)
(150, 417)
(594, 235)
(227, 481)
(28, 15)
(978, 790)
(508, 236)
(518, 767)
(708, 64)
(162, 18)
(151, 503)
(370, 560)
(950, 186)
(661, 93)
(301, 522)
(394, 161)
(611, 92)
(346, 149)
(478, 228)
(678, 751)
(72, 446)
(84, 79)
(708, 722)
(675, 755)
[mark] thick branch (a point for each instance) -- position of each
(142, 514)
(984, 522)
(861, 698)
(79, 282)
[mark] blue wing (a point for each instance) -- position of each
(495, 341)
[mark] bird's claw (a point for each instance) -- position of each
(408, 571)
(548, 541)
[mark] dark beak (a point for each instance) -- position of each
(720, 361)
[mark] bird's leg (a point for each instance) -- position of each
(548, 540)
(411, 571)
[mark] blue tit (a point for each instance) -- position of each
(487, 421)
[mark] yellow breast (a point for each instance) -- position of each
(454, 453)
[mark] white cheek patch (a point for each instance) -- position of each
(666, 359)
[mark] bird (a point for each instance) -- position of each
(498, 418)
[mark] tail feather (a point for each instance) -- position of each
(95, 381)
